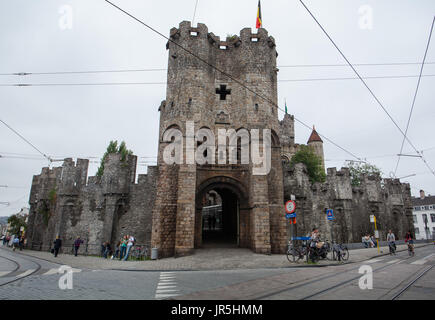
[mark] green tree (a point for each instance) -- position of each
(356, 169)
(312, 161)
(17, 221)
(114, 148)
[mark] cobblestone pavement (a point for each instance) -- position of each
(203, 259)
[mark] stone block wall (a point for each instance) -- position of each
(389, 200)
(64, 203)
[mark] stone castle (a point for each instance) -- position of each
(170, 208)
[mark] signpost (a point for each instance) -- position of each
(290, 207)
(330, 217)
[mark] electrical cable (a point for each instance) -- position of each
(368, 88)
(415, 96)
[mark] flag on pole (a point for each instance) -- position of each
(259, 22)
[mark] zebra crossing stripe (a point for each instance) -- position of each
(161, 295)
(423, 261)
(25, 273)
(166, 291)
(393, 261)
(373, 261)
(51, 271)
(167, 286)
(56, 271)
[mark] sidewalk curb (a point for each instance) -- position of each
(386, 254)
(178, 269)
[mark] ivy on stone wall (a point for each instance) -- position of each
(52, 196)
(44, 210)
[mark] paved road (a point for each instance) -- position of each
(25, 277)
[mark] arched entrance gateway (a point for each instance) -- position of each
(222, 216)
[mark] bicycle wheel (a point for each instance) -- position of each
(289, 255)
(293, 255)
(330, 255)
(344, 254)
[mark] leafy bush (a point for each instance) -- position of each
(114, 148)
(312, 161)
(356, 169)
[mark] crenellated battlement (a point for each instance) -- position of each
(343, 172)
(185, 32)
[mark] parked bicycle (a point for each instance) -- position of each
(294, 253)
(139, 253)
(340, 252)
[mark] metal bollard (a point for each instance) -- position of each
(154, 253)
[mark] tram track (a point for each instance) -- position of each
(17, 265)
(325, 277)
(411, 283)
(25, 272)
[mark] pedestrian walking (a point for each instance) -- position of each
(15, 242)
(57, 245)
(391, 239)
(77, 244)
(21, 243)
(130, 244)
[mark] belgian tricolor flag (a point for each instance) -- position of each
(259, 22)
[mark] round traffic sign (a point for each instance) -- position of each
(290, 206)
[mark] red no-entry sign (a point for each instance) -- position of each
(290, 206)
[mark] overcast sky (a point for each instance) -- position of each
(79, 121)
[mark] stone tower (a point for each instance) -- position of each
(316, 143)
(196, 91)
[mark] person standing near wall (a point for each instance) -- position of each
(57, 245)
(77, 244)
(130, 243)
(123, 247)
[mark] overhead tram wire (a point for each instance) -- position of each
(194, 12)
(415, 96)
(225, 74)
(164, 83)
(27, 141)
(368, 88)
(164, 69)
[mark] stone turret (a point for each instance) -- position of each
(316, 143)
(287, 137)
